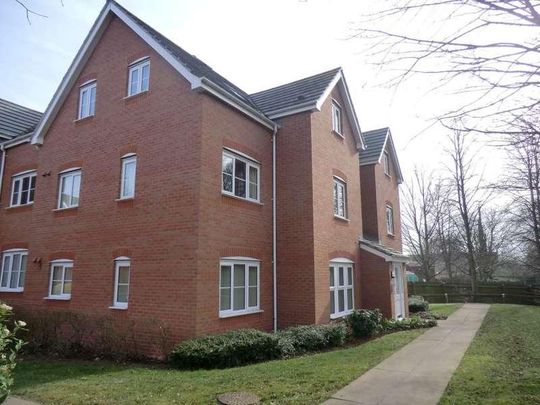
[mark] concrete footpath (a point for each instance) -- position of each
(419, 372)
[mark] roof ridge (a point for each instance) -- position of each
(337, 69)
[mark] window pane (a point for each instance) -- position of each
(349, 275)
(227, 164)
(225, 276)
(253, 182)
(239, 275)
(331, 276)
(123, 274)
(240, 187)
(240, 169)
(240, 178)
(227, 182)
(76, 190)
(239, 299)
(68, 274)
(225, 299)
(32, 189)
(134, 81)
(67, 187)
(92, 104)
(5, 270)
(122, 293)
(15, 196)
(15, 265)
(253, 276)
(23, 270)
(129, 178)
(252, 297)
(57, 273)
(25, 190)
(349, 298)
(56, 288)
(332, 303)
(145, 77)
(341, 277)
(67, 287)
(84, 104)
(341, 300)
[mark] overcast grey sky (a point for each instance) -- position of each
(254, 43)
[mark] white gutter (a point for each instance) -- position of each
(2, 165)
(274, 231)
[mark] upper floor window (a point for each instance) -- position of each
(389, 219)
(61, 279)
(340, 198)
(87, 100)
(240, 177)
(127, 184)
(239, 286)
(386, 162)
(336, 118)
(122, 269)
(23, 186)
(139, 77)
(70, 187)
(13, 270)
(341, 288)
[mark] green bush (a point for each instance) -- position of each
(309, 338)
(10, 344)
(364, 322)
(417, 303)
(431, 315)
(390, 325)
(230, 349)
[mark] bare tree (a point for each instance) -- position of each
(422, 211)
(448, 241)
(487, 49)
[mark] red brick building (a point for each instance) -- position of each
(152, 188)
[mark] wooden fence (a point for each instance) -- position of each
(502, 293)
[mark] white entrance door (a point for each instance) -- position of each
(399, 298)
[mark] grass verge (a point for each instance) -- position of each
(502, 365)
(304, 380)
(444, 309)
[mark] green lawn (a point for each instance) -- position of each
(502, 365)
(303, 380)
(444, 309)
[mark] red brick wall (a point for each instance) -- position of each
(370, 218)
(376, 286)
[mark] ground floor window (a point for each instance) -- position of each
(341, 288)
(13, 270)
(61, 278)
(238, 286)
(122, 269)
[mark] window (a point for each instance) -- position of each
(22, 189)
(61, 279)
(87, 100)
(389, 219)
(139, 77)
(340, 198)
(386, 161)
(122, 268)
(336, 118)
(239, 286)
(129, 167)
(70, 187)
(13, 270)
(240, 177)
(341, 288)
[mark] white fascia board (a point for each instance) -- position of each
(284, 112)
(17, 141)
(380, 254)
(393, 152)
(71, 75)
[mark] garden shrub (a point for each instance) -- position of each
(417, 303)
(364, 322)
(415, 322)
(10, 345)
(431, 315)
(230, 349)
(310, 338)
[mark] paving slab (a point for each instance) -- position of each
(419, 372)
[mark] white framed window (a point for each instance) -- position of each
(69, 190)
(240, 177)
(389, 219)
(122, 269)
(23, 186)
(87, 100)
(139, 77)
(386, 162)
(340, 198)
(61, 279)
(336, 118)
(129, 169)
(239, 281)
(341, 288)
(14, 263)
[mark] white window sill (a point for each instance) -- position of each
(84, 118)
(125, 198)
(241, 198)
(135, 95)
(230, 314)
(58, 298)
(122, 308)
(66, 208)
(338, 134)
(341, 218)
(340, 314)
(12, 290)
(387, 175)
(19, 206)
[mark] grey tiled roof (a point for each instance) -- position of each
(298, 93)
(16, 120)
(385, 250)
(374, 141)
(191, 62)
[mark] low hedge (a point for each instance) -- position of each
(415, 322)
(365, 322)
(310, 338)
(230, 349)
(417, 303)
